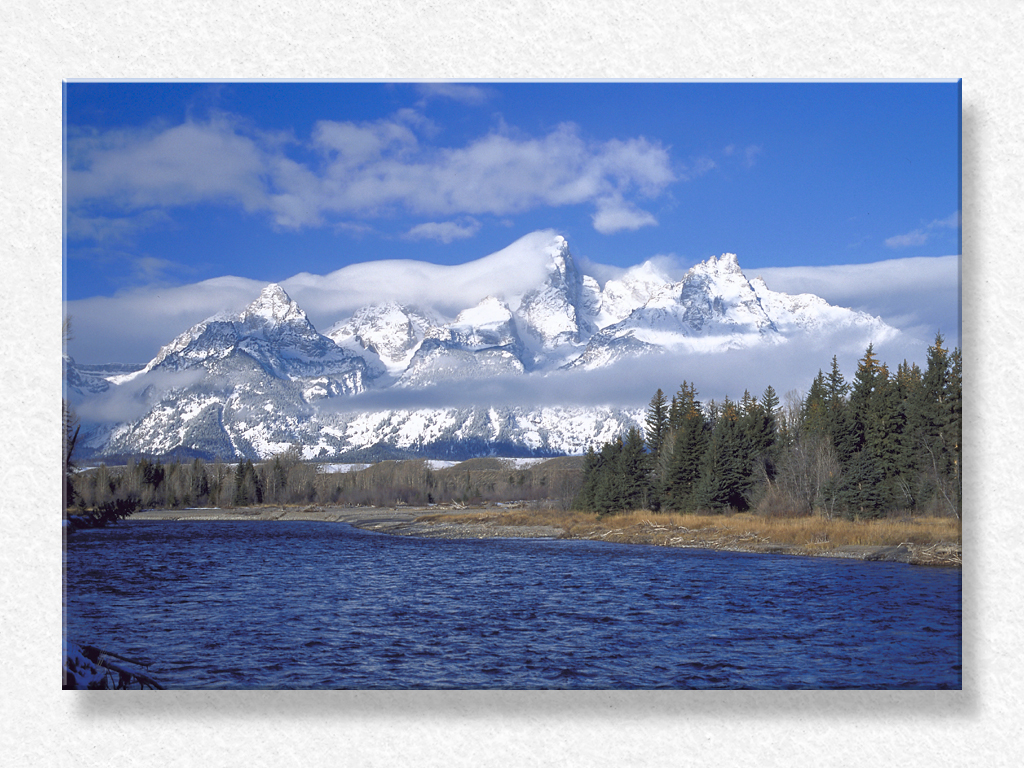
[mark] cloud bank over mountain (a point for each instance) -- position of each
(917, 295)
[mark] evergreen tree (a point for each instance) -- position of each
(760, 429)
(905, 387)
(591, 470)
(938, 423)
(688, 446)
(815, 411)
(770, 404)
(241, 498)
(954, 434)
(683, 402)
(864, 470)
(838, 423)
(248, 487)
(608, 490)
(836, 387)
(657, 423)
(860, 486)
(634, 466)
(725, 470)
(657, 431)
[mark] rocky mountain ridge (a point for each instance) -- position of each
(255, 383)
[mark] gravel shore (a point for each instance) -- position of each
(399, 521)
(414, 521)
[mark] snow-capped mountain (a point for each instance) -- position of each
(714, 308)
(273, 334)
(257, 382)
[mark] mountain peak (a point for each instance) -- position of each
(273, 306)
(727, 263)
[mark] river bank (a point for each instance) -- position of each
(737, 534)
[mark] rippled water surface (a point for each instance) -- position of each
(322, 605)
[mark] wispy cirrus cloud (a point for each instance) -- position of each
(464, 94)
(747, 155)
(115, 230)
(444, 231)
(921, 235)
(349, 169)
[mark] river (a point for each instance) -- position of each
(255, 605)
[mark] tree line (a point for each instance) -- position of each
(106, 493)
(888, 441)
(148, 482)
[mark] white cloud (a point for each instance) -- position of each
(115, 230)
(747, 155)
(460, 92)
(181, 165)
(444, 231)
(921, 235)
(615, 214)
(917, 295)
(359, 169)
(698, 167)
(132, 326)
(630, 382)
(134, 399)
(910, 239)
(152, 271)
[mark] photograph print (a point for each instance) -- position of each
(512, 385)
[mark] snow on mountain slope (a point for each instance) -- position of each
(273, 332)
(557, 318)
(714, 308)
(385, 334)
(489, 324)
(620, 296)
(262, 380)
(806, 313)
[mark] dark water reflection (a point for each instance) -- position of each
(321, 605)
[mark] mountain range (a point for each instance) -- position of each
(255, 383)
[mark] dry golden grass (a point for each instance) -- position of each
(811, 532)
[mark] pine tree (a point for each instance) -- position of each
(657, 423)
(838, 423)
(683, 402)
(634, 472)
(689, 443)
(591, 469)
(608, 490)
(864, 469)
(954, 434)
(725, 470)
(905, 385)
(938, 425)
(815, 411)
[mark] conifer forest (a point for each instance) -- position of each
(888, 441)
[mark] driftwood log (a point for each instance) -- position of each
(126, 677)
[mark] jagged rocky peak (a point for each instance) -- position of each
(273, 306)
(727, 264)
(389, 329)
(560, 312)
(632, 290)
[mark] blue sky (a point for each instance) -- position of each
(170, 184)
